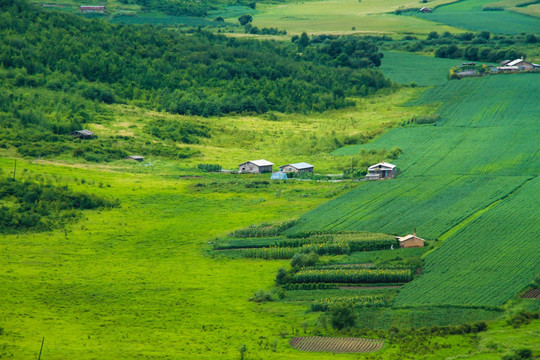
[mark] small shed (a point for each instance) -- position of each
(278, 176)
(92, 8)
(83, 134)
(425, 10)
(382, 170)
(298, 167)
(255, 167)
(135, 157)
(410, 240)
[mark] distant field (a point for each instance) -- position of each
(341, 16)
(468, 15)
(481, 152)
(406, 68)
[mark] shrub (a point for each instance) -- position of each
(262, 296)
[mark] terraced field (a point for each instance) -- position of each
(337, 345)
(478, 168)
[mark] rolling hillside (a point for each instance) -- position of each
(474, 166)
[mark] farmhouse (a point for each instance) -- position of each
(255, 167)
(92, 9)
(410, 240)
(425, 10)
(135, 157)
(382, 170)
(516, 65)
(82, 134)
(298, 167)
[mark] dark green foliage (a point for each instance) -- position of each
(178, 131)
(245, 19)
(37, 206)
(209, 167)
(342, 316)
(522, 318)
(304, 260)
(199, 74)
(518, 354)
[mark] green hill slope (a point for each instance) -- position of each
(483, 149)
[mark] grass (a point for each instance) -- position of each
(340, 16)
(279, 138)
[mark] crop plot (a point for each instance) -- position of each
(336, 345)
(532, 294)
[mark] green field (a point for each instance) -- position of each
(407, 68)
(345, 16)
(469, 15)
(451, 175)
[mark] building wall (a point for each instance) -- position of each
(414, 242)
(253, 169)
(288, 168)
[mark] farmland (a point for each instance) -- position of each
(469, 15)
(475, 166)
(336, 345)
(407, 68)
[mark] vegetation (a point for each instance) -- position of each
(37, 206)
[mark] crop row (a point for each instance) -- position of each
(355, 301)
(355, 276)
(337, 345)
(324, 248)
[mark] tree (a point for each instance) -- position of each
(342, 316)
(303, 41)
(245, 19)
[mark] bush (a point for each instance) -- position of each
(262, 296)
(342, 316)
(209, 167)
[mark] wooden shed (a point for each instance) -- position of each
(82, 134)
(255, 167)
(410, 240)
(382, 170)
(298, 167)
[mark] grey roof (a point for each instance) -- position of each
(261, 162)
(517, 61)
(135, 157)
(382, 165)
(299, 166)
(83, 132)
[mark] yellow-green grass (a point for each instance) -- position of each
(533, 10)
(289, 138)
(134, 282)
(514, 5)
(340, 16)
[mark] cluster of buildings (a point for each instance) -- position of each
(92, 9)
(264, 166)
(517, 65)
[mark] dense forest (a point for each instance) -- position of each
(59, 71)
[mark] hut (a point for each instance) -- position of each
(255, 167)
(82, 134)
(278, 176)
(425, 10)
(135, 157)
(410, 240)
(382, 170)
(298, 167)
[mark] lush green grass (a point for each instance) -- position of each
(406, 68)
(469, 15)
(481, 152)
